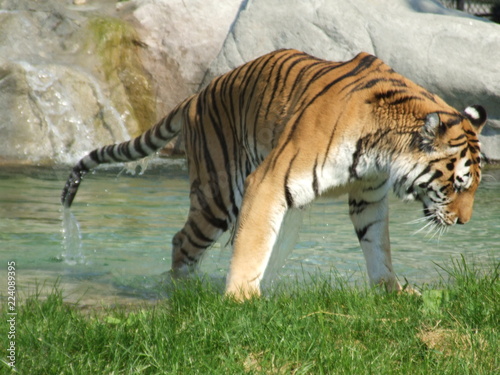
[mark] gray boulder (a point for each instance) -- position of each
(79, 74)
(70, 79)
(181, 39)
(73, 77)
(449, 53)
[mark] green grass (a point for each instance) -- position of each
(314, 329)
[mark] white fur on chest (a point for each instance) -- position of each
(334, 175)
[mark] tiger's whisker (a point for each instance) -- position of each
(426, 226)
(417, 221)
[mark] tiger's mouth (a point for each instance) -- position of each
(439, 217)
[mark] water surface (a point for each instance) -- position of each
(118, 244)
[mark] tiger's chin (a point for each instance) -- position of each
(439, 218)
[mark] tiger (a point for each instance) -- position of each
(279, 131)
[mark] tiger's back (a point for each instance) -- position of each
(281, 130)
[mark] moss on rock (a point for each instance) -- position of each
(116, 44)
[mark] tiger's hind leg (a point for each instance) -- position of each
(189, 245)
(206, 222)
(369, 212)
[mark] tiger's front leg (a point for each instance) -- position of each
(369, 212)
(262, 212)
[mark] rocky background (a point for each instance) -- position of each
(77, 74)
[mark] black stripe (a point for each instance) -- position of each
(455, 121)
(108, 154)
(215, 120)
(288, 194)
(364, 64)
(367, 85)
(191, 241)
(388, 94)
(149, 140)
(378, 136)
(404, 100)
(299, 79)
(457, 144)
(101, 153)
(197, 231)
(428, 95)
(437, 174)
(371, 83)
(208, 160)
(461, 136)
(279, 75)
(230, 128)
(189, 257)
(355, 159)
(426, 170)
(327, 68)
(166, 123)
(357, 207)
(373, 188)
(227, 87)
(330, 141)
(243, 98)
(157, 129)
(260, 99)
(215, 222)
(471, 133)
(456, 118)
(216, 112)
(202, 201)
(437, 200)
(315, 178)
(361, 232)
(94, 155)
(138, 147)
(115, 153)
(124, 150)
(443, 188)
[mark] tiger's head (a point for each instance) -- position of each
(448, 171)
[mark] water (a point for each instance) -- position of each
(115, 244)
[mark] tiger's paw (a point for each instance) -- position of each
(407, 289)
(241, 292)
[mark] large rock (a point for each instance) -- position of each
(70, 79)
(451, 54)
(73, 77)
(50, 113)
(181, 39)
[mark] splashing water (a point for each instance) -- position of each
(120, 246)
(71, 239)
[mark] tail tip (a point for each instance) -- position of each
(71, 187)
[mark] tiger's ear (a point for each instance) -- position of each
(477, 116)
(430, 131)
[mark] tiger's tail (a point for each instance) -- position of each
(144, 145)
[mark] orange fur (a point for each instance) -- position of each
(279, 131)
